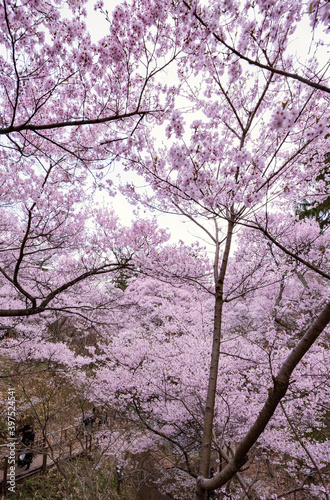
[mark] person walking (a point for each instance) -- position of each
(27, 441)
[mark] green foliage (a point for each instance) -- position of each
(51, 486)
(314, 210)
(122, 280)
(40, 487)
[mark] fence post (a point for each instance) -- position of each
(4, 481)
(44, 461)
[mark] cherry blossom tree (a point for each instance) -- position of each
(251, 155)
(69, 107)
(155, 368)
(63, 95)
(261, 33)
(237, 166)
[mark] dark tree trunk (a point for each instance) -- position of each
(275, 395)
(204, 465)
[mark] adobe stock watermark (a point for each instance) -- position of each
(11, 419)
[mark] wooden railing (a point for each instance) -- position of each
(62, 444)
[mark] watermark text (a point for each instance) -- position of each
(12, 441)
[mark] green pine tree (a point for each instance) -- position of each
(314, 210)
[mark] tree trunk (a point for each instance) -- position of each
(204, 465)
(275, 395)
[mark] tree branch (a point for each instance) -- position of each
(74, 123)
(275, 395)
(294, 76)
(293, 255)
(42, 307)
